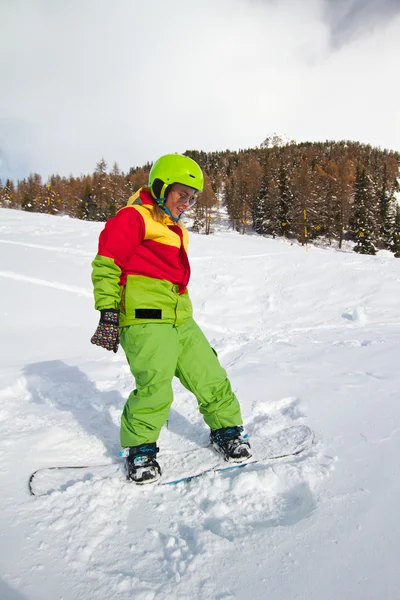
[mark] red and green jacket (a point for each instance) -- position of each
(142, 267)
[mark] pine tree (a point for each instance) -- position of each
(103, 201)
(259, 209)
(386, 190)
(346, 186)
(329, 202)
(33, 194)
(395, 245)
(241, 181)
(7, 194)
(385, 212)
(27, 204)
(253, 183)
(285, 200)
(362, 221)
(117, 188)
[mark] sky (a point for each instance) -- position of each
(128, 81)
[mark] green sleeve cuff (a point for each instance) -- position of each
(105, 277)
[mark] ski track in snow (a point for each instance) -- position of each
(64, 250)
(301, 335)
(51, 284)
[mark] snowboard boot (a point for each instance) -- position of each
(141, 465)
(229, 442)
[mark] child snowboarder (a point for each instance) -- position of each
(140, 277)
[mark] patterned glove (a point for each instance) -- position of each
(107, 332)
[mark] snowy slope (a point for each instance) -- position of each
(309, 337)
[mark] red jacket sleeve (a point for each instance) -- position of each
(119, 238)
(121, 235)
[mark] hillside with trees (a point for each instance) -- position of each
(304, 191)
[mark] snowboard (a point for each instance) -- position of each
(178, 467)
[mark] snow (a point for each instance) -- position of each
(307, 336)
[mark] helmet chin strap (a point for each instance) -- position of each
(166, 210)
(160, 197)
(161, 203)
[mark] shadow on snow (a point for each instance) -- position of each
(69, 389)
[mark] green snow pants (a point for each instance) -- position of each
(158, 351)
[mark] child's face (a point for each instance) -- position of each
(180, 198)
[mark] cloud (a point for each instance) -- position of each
(349, 18)
(131, 80)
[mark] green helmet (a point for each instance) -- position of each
(174, 168)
